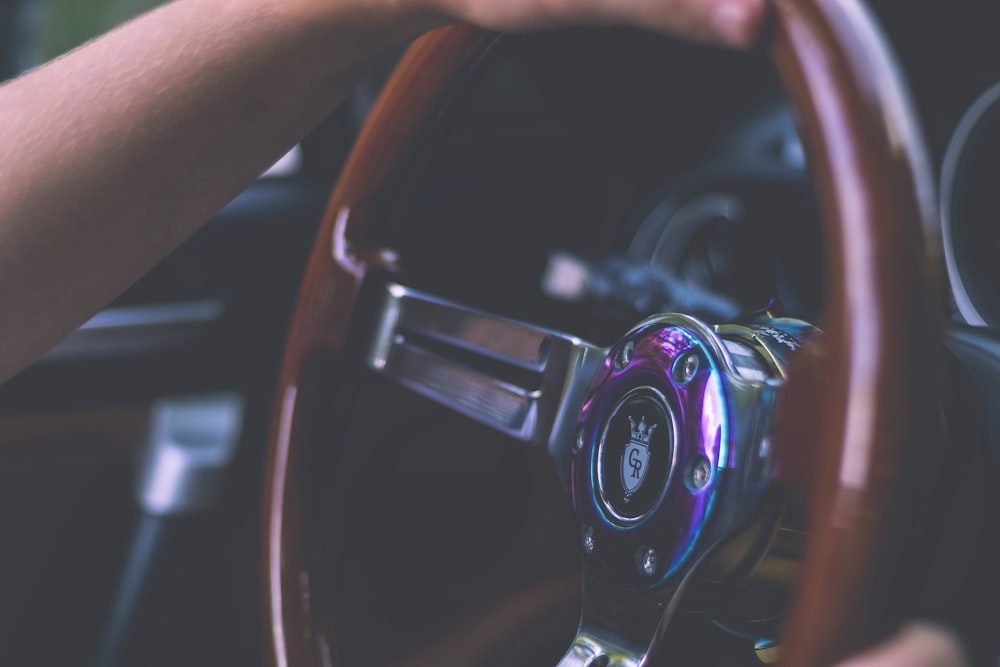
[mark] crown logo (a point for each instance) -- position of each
(641, 432)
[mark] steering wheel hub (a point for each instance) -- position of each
(656, 440)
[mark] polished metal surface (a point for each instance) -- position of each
(647, 561)
(597, 649)
(522, 380)
(699, 475)
(624, 355)
(685, 368)
(684, 379)
(762, 346)
(721, 384)
(707, 393)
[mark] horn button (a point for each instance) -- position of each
(634, 456)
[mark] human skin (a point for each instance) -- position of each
(117, 152)
(917, 644)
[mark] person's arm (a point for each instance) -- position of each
(115, 153)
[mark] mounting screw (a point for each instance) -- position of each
(699, 473)
(765, 448)
(588, 540)
(578, 443)
(685, 367)
(647, 561)
(624, 356)
(768, 650)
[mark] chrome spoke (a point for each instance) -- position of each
(522, 380)
(618, 629)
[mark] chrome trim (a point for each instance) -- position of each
(597, 643)
(602, 497)
(135, 329)
(453, 354)
(949, 168)
(618, 629)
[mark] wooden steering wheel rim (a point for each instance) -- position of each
(858, 401)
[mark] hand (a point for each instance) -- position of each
(915, 645)
(734, 23)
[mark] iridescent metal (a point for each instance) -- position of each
(685, 367)
(699, 474)
(647, 561)
(661, 438)
(588, 540)
(715, 388)
(624, 355)
(700, 409)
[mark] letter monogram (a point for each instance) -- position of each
(635, 459)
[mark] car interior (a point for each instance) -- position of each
(581, 180)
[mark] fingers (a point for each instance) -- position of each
(733, 23)
(737, 24)
(916, 645)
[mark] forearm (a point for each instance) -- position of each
(116, 153)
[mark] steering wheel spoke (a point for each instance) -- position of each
(619, 628)
(597, 644)
(522, 380)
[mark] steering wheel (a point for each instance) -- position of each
(674, 441)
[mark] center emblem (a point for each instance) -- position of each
(634, 456)
(635, 460)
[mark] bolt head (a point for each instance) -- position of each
(685, 367)
(647, 561)
(765, 448)
(588, 540)
(699, 474)
(624, 356)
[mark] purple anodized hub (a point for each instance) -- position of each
(655, 449)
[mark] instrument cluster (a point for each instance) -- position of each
(735, 234)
